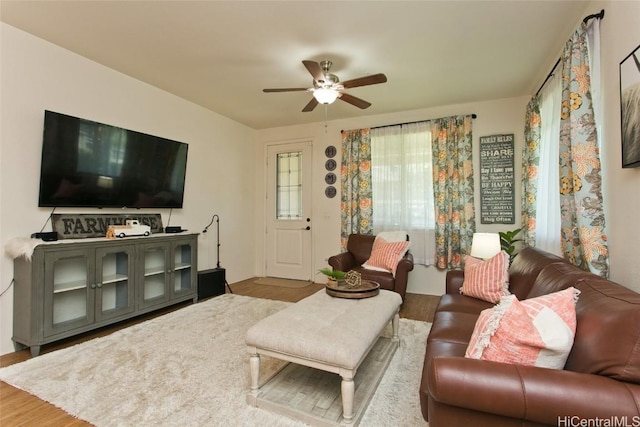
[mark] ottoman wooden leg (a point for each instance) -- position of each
(396, 326)
(254, 367)
(348, 391)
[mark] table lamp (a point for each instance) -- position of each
(485, 245)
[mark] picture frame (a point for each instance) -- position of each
(630, 109)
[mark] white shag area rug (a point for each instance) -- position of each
(190, 368)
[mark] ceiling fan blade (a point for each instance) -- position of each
(310, 106)
(360, 103)
(365, 81)
(315, 70)
(288, 89)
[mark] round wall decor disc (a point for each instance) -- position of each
(330, 151)
(330, 178)
(330, 165)
(330, 192)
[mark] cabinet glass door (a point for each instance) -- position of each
(114, 282)
(156, 269)
(183, 271)
(68, 291)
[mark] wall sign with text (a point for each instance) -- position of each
(81, 226)
(497, 179)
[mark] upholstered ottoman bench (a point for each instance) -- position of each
(331, 334)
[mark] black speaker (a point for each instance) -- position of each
(47, 236)
(174, 229)
(211, 282)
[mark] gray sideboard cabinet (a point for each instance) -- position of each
(73, 286)
(168, 272)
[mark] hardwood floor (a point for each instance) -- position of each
(18, 408)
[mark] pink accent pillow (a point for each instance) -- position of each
(534, 332)
(386, 255)
(486, 280)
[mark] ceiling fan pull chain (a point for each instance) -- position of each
(326, 113)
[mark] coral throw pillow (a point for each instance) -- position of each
(486, 280)
(386, 255)
(534, 332)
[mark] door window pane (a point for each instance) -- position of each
(289, 185)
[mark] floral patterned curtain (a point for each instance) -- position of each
(530, 163)
(583, 224)
(355, 174)
(453, 189)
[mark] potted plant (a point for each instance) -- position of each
(507, 242)
(333, 276)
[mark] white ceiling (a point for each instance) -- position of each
(221, 54)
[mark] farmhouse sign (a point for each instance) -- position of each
(80, 226)
(497, 178)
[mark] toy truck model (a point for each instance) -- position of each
(132, 228)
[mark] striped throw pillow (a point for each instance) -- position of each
(386, 255)
(534, 332)
(486, 280)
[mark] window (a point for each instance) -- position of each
(547, 197)
(289, 185)
(402, 185)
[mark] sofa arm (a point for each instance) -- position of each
(453, 281)
(343, 262)
(402, 274)
(537, 395)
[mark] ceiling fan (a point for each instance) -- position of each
(327, 87)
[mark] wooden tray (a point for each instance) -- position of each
(367, 289)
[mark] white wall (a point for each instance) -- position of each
(620, 35)
(494, 117)
(36, 75)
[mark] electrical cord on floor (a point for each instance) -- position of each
(8, 287)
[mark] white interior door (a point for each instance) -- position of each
(288, 213)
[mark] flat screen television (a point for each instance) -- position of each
(91, 164)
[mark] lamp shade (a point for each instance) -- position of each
(325, 96)
(485, 245)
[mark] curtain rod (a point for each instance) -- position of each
(599, 15)
(585, 20)
(473, 116)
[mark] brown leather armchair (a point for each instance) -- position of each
(358, 252)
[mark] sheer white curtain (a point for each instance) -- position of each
(402, 185)
(548, 197)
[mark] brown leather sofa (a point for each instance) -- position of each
(601, 378)
(358, 252)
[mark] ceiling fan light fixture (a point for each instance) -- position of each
(326, 87)
(325, 96)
